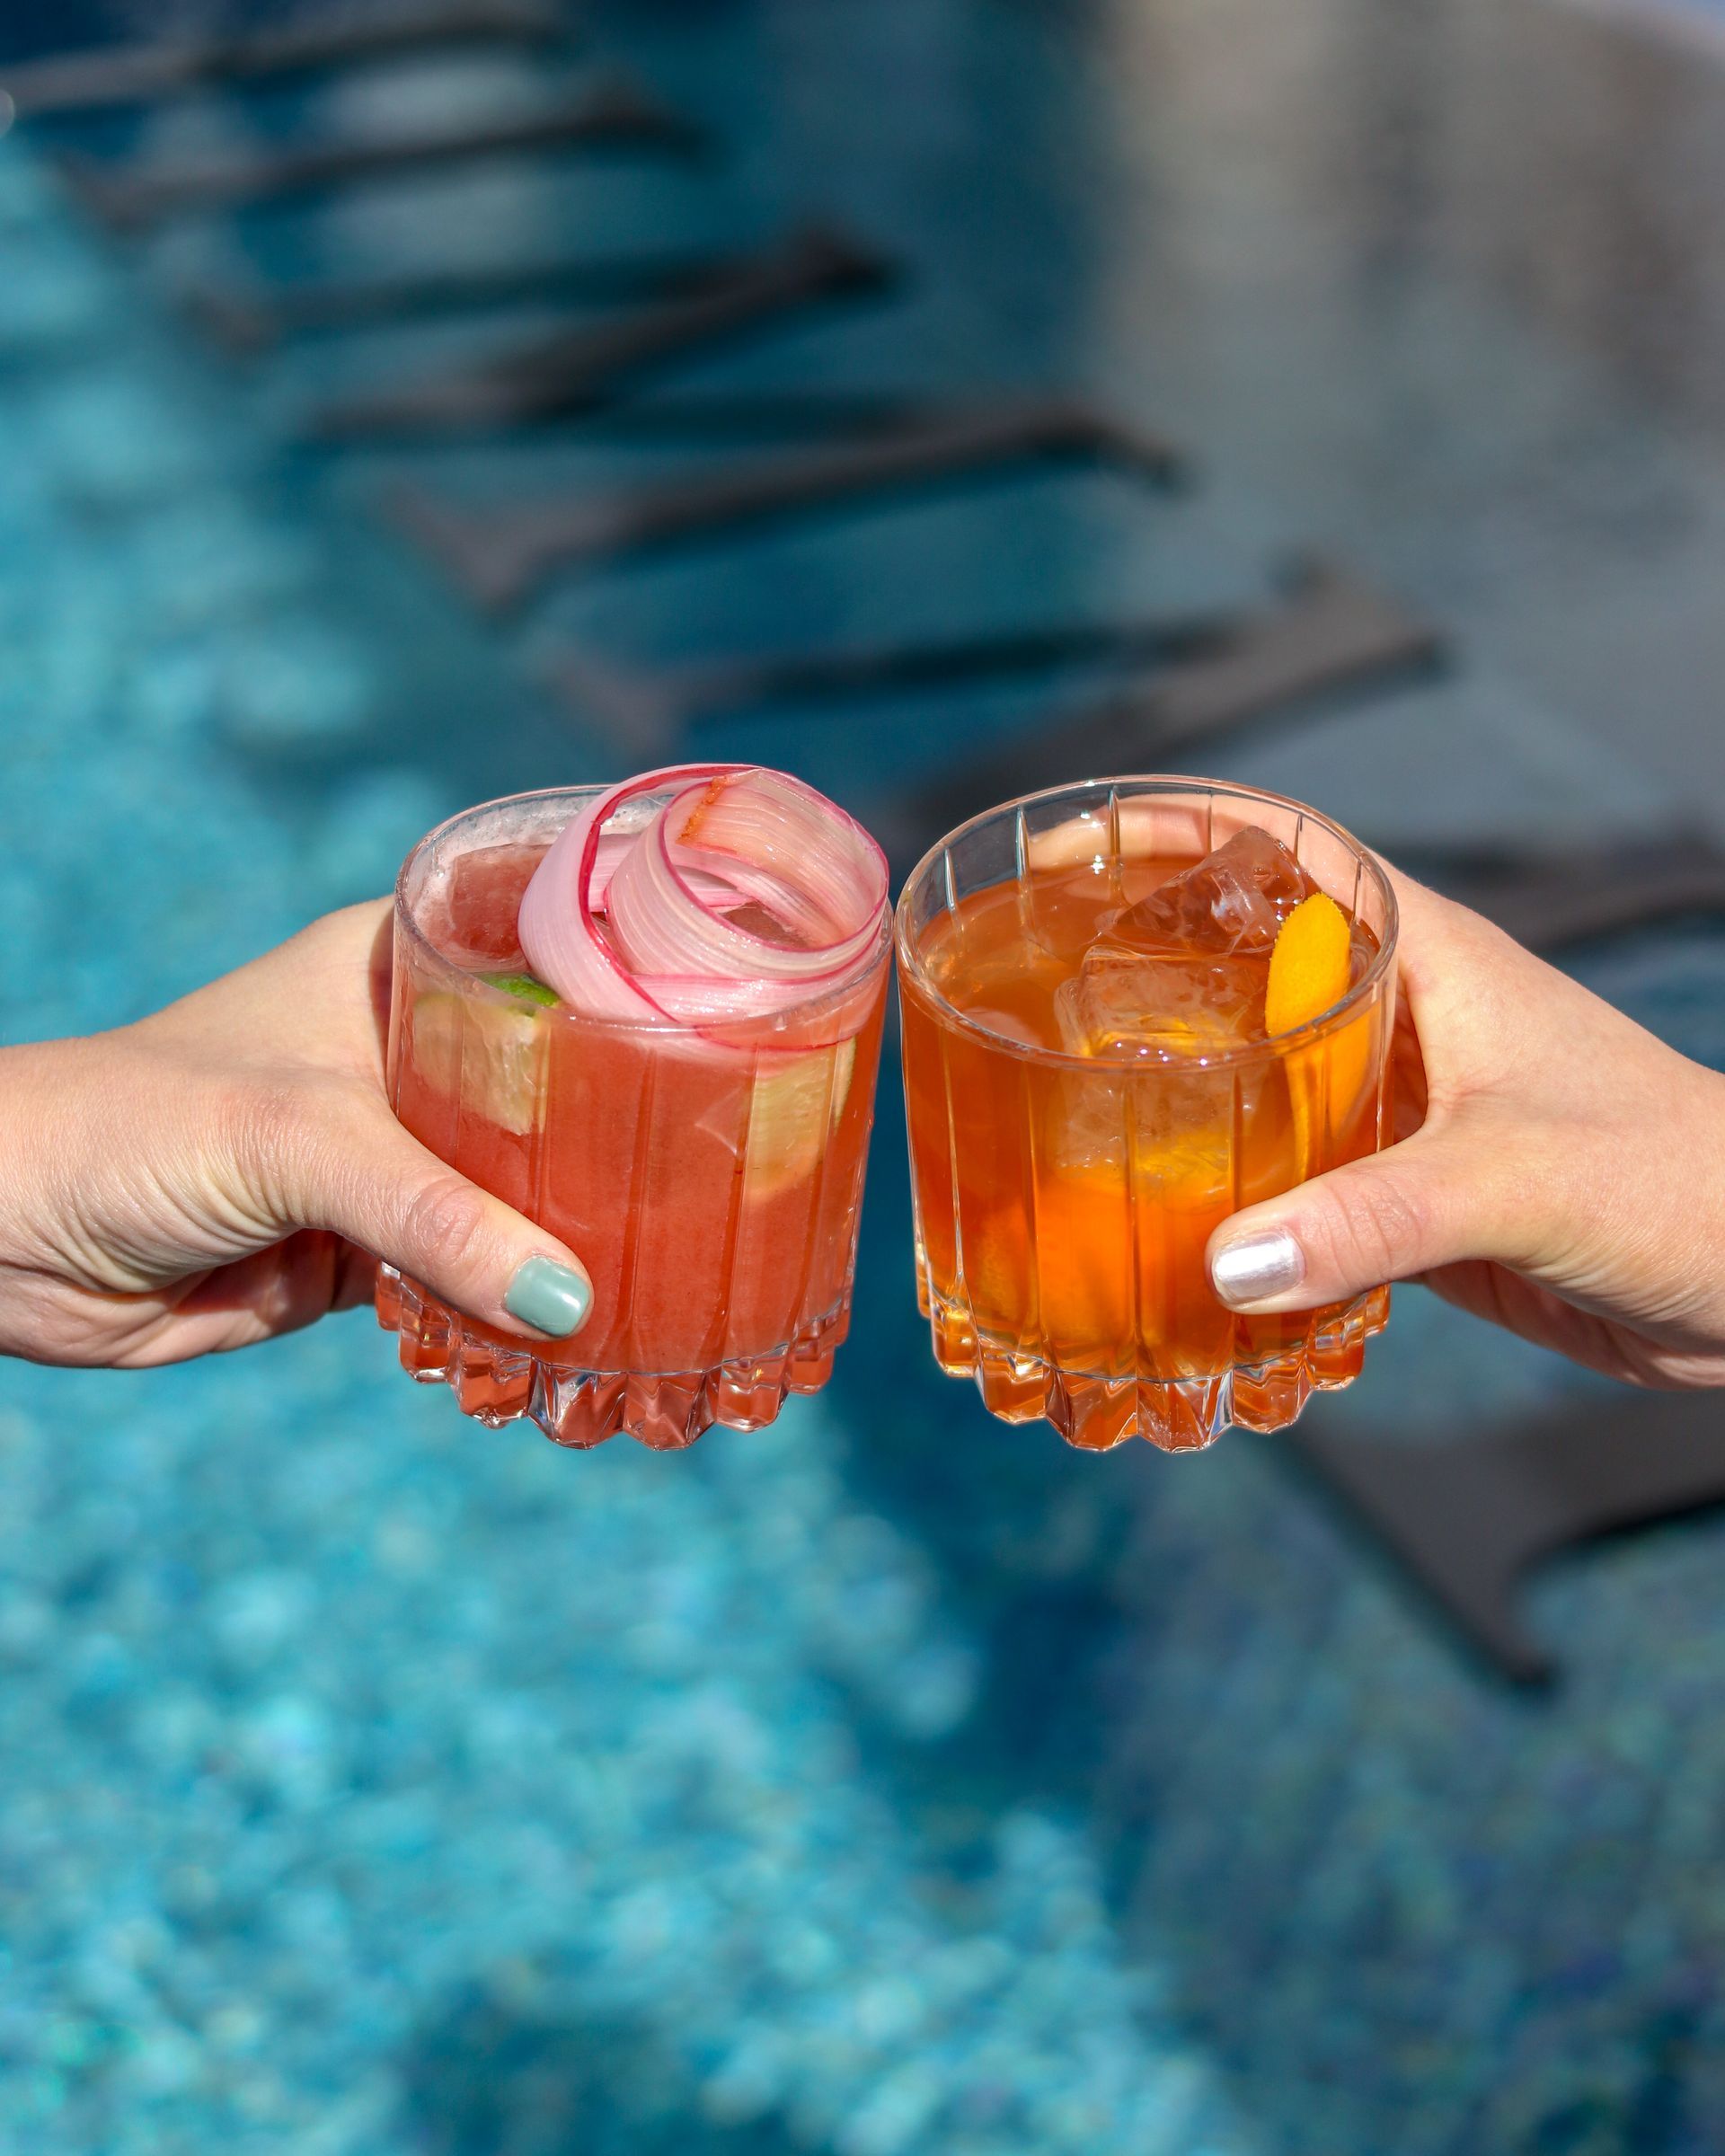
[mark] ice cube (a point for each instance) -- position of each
(1131, 1003)
(1232, 901)
(1184, 971)
(1156, 1103)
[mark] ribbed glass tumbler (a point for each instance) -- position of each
(1064, 1195)
(709, 1178)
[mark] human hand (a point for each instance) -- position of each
(229, 1168)
(1558, 1170)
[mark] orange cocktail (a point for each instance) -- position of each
(687, 1107)
(1099, 1071)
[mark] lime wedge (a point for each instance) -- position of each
(491, 1055)
(795, 1107)
(522, 986)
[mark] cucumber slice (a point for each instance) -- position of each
(492, 1055)
(795, 1108)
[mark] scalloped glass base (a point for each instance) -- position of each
(664, 1409)
(1179, 1414)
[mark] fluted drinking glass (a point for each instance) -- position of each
(1063, 1199)
(710, 1180)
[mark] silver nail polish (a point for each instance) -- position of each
(1257, 1267)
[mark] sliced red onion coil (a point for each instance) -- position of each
(727, 837)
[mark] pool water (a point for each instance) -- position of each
(888, 1781)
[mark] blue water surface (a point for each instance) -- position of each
(376, 1785)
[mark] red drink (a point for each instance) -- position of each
(708, 1176)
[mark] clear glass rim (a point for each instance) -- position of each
(912, 969)
(741, 1029)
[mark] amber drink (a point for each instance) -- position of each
(1098, 1071)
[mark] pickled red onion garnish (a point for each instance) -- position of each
(665, 914)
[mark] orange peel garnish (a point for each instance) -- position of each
(1309, 965)
(1310, 968)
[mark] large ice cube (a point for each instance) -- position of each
(1184, 971)
(1179, 1006)
(1233, 900)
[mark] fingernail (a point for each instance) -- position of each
(549, 1297)
(1257, 1267)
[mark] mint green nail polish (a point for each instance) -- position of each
(549, 1297)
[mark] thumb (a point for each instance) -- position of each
(1436, 1199)
(372, 1182)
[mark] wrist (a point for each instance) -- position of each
(31, 1079)
(38, 1117)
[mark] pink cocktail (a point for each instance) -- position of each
(650, 1019)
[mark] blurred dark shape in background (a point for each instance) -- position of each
(933, 397)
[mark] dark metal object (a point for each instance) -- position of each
(128, 75)
(1548, 901)
(775, 415)
(500, 555)
(614, 116)
(254, 319)
(1332, 632)
(1469, 1517)
(641, 707)
(556, 376)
